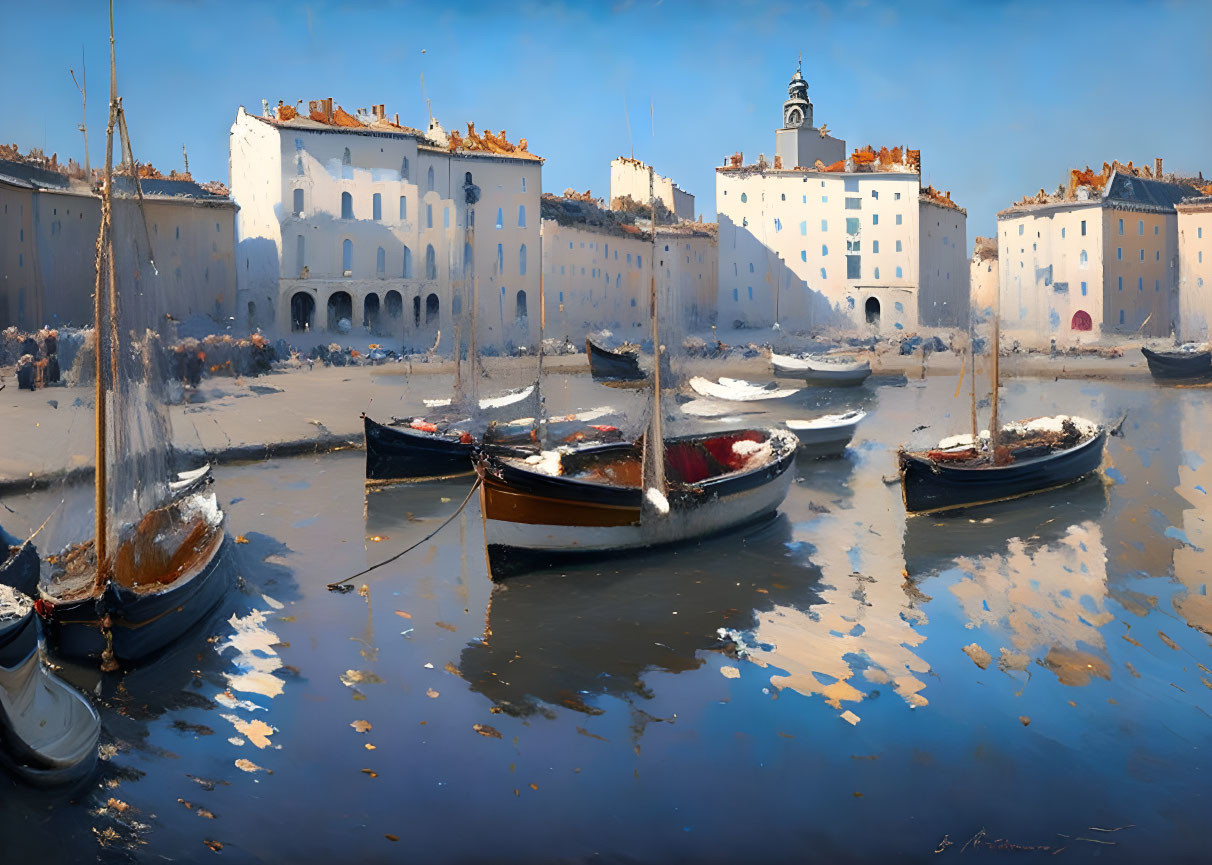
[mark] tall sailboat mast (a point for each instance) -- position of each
(105, 286)
(654, 450)
(994, 429)
(542, 334)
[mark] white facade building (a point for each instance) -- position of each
(598, 268)
(630, 178)
(1098, 260)
(857, 242)
(48, 239)
(1195, 268)
(358, 218)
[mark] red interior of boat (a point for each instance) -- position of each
(688, 460)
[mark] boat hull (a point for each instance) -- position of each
(20, 570)
(930, 487)
(143, 624)
(533, 520)
(608, 365)
(403, 454)
(826, 441)
(821, 373)
(1178, 365)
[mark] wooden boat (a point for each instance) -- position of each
(591, 501)
(155, 563)
(606, 365)
(1036, 455)
(828, 370)
(1178, 365)
(739, 390)
(48, 730)
(827, 435)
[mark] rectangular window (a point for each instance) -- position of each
(875, 219)
(854, 204)
(824, 199)
(875, 246)
(429, 216)
(803, 255)
(850, 184)
(875, 194)
(1020, 231)
(376, 206)
(403, 208)
(1062, 232)
(1121, 283)
(1121, 226)
(824, 225)
(1140, 283)
(898, 246)
(804, 227)
(852, 266)
(1142, 255)
(1140, 226)
(824, 250)
(1083, 228)
(896, 196)
(898, 219)
(852, 225)
(1119, 253)
(1121, 316)
(1157, 285)
(1083, 289)
(501, 259)
(853, 245)
(778, 225)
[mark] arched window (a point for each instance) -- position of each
(407, 263)
(346, 206)
(431, 263)
(298, 202)
(370, 312)
(500, 218)
(394, 304)
(404, 168)
(347, 257)
(1082, 320)
(522, 260)
(381, 262)
(429, 178)
(346, 166)
(521, 216)
(431, 309)
(302, 311)
(1083, 258)
(899, 273)
(340, 308)
(376, 206)
(520, 306)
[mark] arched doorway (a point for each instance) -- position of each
(340, 306)
(416, 311)
(394, 304)
(520, 306)
(1081, 321)
(302, 311)
(431, 310)
(370, 312)
(872, 310)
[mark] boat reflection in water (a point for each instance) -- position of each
(1032, 582)
(574, 637)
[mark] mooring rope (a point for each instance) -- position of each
(336, 586)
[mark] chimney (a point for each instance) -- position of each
(1157, 167)
(328, 109)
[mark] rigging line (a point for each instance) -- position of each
(335, 586)
(34, 534)
(134, 170)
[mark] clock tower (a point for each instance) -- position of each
(797, 110)
(799, 144)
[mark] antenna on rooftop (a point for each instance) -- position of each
(185, 155)
(80, 85)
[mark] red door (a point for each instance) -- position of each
(1081, 321)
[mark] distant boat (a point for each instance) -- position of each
(1030, 456)
(606, 365)
(739, 390)
(1179, 365)
(835, 371)
(592, 501)
(48, 730)
(421, 449)
(828, 435)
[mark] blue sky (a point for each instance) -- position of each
(1001, 97)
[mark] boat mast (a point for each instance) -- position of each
(972, 380)
(542, 332)
(654, 450)
(473, 367)
(101, 289)
(997, 322)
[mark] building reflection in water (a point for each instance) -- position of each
(1193, 559)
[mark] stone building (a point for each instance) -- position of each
(854, 241)
(983, 273)
(353, 222)
(1096, 259)
(50, 215)
(598, 271)
(629, 178)
(1195, 267)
